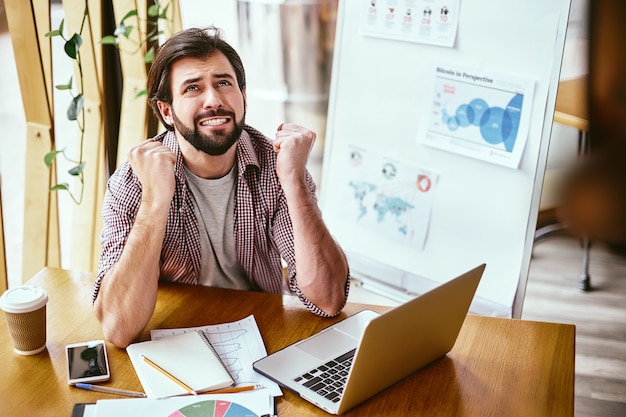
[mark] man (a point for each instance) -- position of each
(211, 201)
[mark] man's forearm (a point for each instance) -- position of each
(322, 268)
(128, 291)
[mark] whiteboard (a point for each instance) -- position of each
(412, 205)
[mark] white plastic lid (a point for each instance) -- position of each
(23, 299)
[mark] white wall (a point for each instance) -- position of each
(222, 14)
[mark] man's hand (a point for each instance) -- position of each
(153, 163)
(293, 145)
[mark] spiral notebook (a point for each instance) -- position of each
(188, 356)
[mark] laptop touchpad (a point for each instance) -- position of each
(328, 344)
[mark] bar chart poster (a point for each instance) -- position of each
(432, 22)
(480, 115)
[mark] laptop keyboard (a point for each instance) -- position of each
(329, 379)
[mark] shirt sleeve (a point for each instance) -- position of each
(121, 202)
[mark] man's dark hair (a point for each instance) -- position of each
(194, 43)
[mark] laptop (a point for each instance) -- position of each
(356, 358)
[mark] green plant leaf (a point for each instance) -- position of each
(149, 56)
(141, 93)
(163, 14)
(65, 186)
(123, 30)
(153, 10)
(109, 40)
(127, 15)
(128, 31)
(52, 33)
(77, 170)
(67, 86)
(75, 107)
(49, 158)
(56, 32)
(73, 45)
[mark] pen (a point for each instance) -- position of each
(98, 388)
(167, 374)
(233, 390)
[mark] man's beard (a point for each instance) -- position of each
(215, 144)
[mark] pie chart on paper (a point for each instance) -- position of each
(214, 408)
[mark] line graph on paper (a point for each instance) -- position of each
(238, 344)
(230, 342)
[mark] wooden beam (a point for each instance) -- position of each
(41, 11)
(37, 199)
(28, 60)
(134, 110)
(41, 240)
(175, 18)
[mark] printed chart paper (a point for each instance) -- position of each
(431, 22)
(249, 404)
(480, 114)
(238, 344)
(389, 197)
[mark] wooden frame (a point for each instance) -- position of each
(134, 111)
(28, 22)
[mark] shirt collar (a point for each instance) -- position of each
(169, 140)
(246, 154)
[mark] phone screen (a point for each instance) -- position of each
(87, 362)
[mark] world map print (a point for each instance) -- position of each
(390, 197)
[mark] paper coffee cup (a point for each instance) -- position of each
(25, 313)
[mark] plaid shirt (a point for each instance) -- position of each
(263, 229)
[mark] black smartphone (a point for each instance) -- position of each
(87, 362)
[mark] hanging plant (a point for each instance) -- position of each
(74, 111)
(157, 15)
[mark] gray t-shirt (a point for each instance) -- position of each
(214, 202)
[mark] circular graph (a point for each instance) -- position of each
(496, 124)
(213, 408)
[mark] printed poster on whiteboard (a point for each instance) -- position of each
(431, 22)
(480, 114)
(389, 197)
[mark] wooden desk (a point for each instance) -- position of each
(499, 367)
